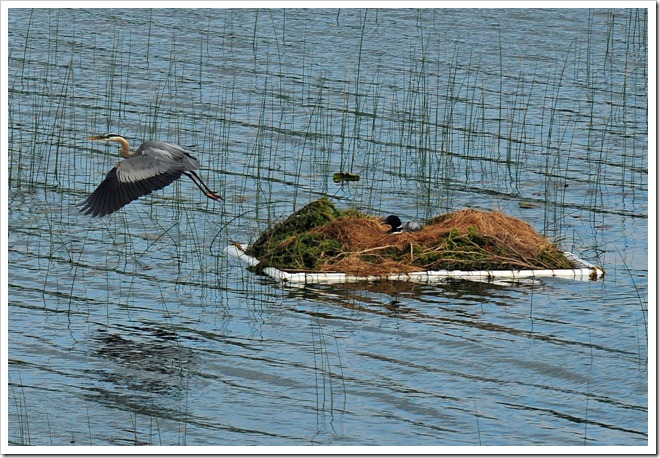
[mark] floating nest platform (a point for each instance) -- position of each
(321, 244)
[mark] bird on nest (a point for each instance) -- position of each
(397, 226)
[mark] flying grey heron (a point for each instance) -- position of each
(153, 166)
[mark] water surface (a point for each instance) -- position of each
(136, 329)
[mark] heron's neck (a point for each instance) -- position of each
(125, 149)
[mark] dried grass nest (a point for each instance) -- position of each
(321, 238)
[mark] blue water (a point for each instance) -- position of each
(136, 329)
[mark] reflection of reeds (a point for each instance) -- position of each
(327, 381)
(23, 420)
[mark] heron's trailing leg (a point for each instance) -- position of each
(202, 186)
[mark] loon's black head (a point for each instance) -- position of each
(393, 221)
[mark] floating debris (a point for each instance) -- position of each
(343, 176)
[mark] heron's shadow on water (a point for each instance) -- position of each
(139, 365)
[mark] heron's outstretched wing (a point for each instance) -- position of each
(169, 153)
(129, 180)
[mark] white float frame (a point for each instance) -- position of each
(583, 271)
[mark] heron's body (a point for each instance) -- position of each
(151, 167)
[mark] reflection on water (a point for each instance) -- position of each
(135, 329)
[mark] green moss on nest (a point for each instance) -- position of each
(291, 246)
